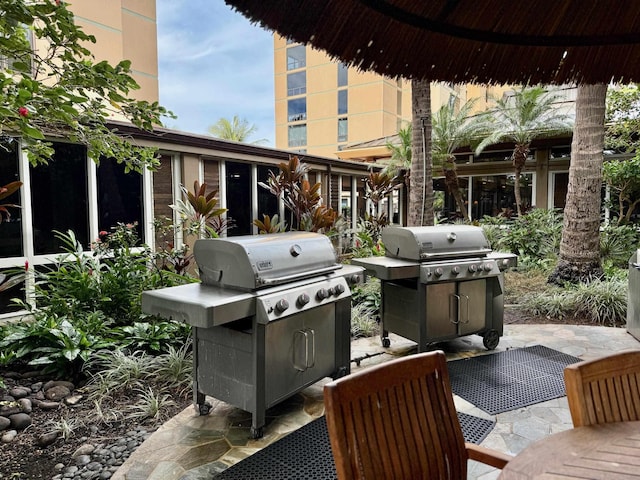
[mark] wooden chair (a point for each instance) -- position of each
(605, 389)
(397, 420)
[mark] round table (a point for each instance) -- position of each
(609, 451)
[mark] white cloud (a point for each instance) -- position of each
(213, 63)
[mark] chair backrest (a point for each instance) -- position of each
(396, 420)
(604, 390)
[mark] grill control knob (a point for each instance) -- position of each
(487, 267)
(281, 305)
(295, 250)
(338, 290)
(303, 299)
(438, 272)
(505, 263)
(473, 268)
(455, 270)
(354, 279)
(322, 294)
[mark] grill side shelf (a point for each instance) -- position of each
(388, 268)
(199, 305)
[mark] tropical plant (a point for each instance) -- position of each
(617, 244)
(451, 130)
(529, 113)
(400, 154)
(235, 129)
(59, 89)
(270, 224)
(378, 185)
(623, 178)
(6, 191)
(301, 199)
(199, 212)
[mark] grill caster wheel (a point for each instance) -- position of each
(490, 339)
(255, 433)
(386, 343)
(204, 408)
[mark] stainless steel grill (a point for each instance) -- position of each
(439, 283)
(271, 317)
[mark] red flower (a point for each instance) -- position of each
(103, 233)
(26, 264)
(57, 3)
(23, 111)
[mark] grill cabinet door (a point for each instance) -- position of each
(299, 350)
(441, 310)
(473, 306)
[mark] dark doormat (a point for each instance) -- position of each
(306, 453)
(509, 380)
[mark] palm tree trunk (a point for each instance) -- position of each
(580, 245)
(453, 185)
(520, 153)
(421, 192)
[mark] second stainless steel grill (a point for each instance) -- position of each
(271, 316)
(439, 283)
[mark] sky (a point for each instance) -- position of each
(214, 64)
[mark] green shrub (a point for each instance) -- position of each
(368, 294)
(617, 244)
(604, 302)
(364, 322)
(555, 303)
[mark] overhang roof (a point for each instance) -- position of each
(467, 41)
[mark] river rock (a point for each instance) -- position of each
(48, 405)
(9, 436)
(57, 392)
(73, 400)
(20, 421)
(85, 449)
(9, 409)
(4, 423)
(25, 405)
(19, 392)
(58, 383)
(47, 439)
(36, 387)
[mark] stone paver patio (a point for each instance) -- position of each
(193, 447)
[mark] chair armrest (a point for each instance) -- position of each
(487, 456)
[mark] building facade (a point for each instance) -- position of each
(323, 106)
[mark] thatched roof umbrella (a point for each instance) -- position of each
(488, 41)
(467, 41)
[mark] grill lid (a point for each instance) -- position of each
(250, 262)
(437, 242)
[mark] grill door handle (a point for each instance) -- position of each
(466, 302)
(454, 308)
(304, 349)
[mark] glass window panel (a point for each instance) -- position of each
(297, 109)
(17, 291)
(10, 228)
(59, 198)
(342, 102)
(297, 135)
(238, 183)
(493, 195)
(343, 75)
(296, 57)
(342, 129)
(119, 197)
(296, 83)
(267, 201)
(444, 204)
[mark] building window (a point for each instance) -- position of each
(119, 197)
(11, 227)
(296, 57)
(238, 184)
(343, 102)
(297, 135)
(343, 75)
(342, 129)
(267, 201)
(297, 109)
(296, 83)
(59, 198)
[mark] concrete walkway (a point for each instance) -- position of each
(193, 447)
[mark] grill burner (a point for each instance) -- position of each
(439, 283)
(271, 317)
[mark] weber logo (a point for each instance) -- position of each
(264, 265)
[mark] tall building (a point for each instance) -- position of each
(124, 29)
(322, 106)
